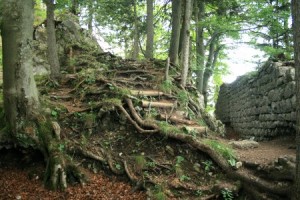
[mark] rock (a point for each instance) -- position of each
(238, 165)
(244, 144)
(69, 35)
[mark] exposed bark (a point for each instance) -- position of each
(19, 88)
(175, 35)
(147, 104)
(152, 93)
(186, 41)
(296, 32)
(51, 42)
(29, 127)
(90, 17)
(167, 69)
(173, 118)
(210, 64)
(74, 7)
(134, 123)
(138, 118)
(200, 49)
(150, 30)
(135, 52)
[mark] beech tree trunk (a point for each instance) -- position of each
(200, 49)
(210, 64)
(150, 30)
(74, 7)
(175, 35)
(19, 88)
(90, 17)
(51, 41)
(186, 43)
(296, 32)
(135, 53)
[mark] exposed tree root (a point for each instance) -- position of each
(136, 116)
(59, 168)
(177, 120)
(222, 162)
(134, 123)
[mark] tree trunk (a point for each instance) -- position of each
(90, 16)
(200, 49)
(19, 88)
(181, 31)
(27, 126)
(211, 60)
(74, 7)
(296, 32)
(186, 41)
(51, 42)
(135, 53)
(150, 30)
(175, 35)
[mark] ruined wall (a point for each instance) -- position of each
(260, 104)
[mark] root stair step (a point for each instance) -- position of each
(177, 119)
(152, 93)
(158, 104)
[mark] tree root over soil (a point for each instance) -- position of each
(42, 134)
(57, 165)
(60, 168)
(150, 127)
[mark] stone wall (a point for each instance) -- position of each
(260, 104)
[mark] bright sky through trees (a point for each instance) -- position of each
(242, 58)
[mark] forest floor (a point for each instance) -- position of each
(19, 180)
(170, 165)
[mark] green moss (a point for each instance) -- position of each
(112, 101)
(45, 131)
(182, 97)
(140, 162)
(2, 117)
(166, 86)
(168, 128)
(201, 122)
(226, 151)
(41, 79)
(158, 193)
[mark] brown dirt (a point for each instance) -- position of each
(24, 182)
(268, 151)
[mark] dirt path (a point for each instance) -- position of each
(268, 151)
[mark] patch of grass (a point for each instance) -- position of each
(111, 101)
(168, 128)
(158, 193)
(182, 97)
(41, 79)
(140, 162)
(201, 122)
(166, 86)
(226, 151)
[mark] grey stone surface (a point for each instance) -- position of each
(244, 144)
(69, 35)
(260, 104)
